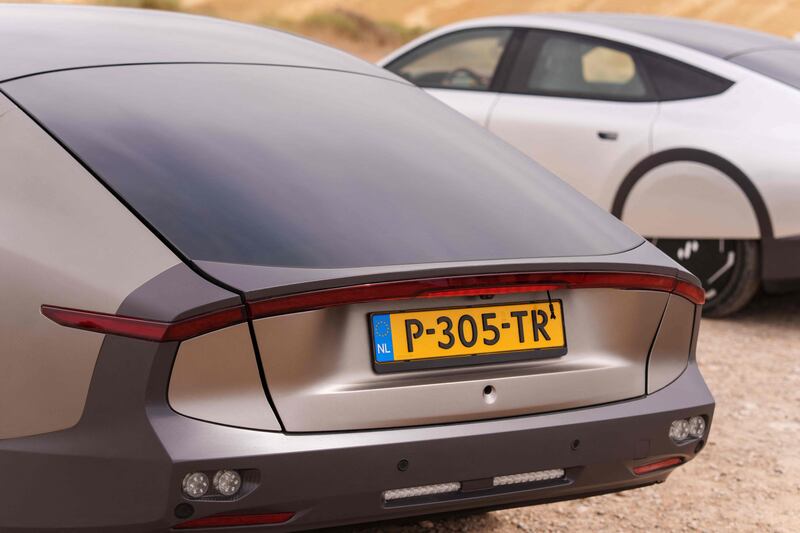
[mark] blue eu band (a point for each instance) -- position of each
(382, 338)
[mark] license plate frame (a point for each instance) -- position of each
(482, 358)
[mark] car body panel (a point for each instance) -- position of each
(260, 282)
(761, 142)
(216, 378)
(542, 126)
(84, 36)
(476, 105)
(675, 333)
(686, 199)
(69, 243)
(321, 376)
(130, 438)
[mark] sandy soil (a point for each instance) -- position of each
(778, 16)
(746, 479)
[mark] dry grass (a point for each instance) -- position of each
(371, 28)
(776, 16)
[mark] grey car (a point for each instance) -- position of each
(250, 280)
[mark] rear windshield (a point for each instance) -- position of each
(298, 167)
(782, 65)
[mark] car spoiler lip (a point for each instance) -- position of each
(282, 291)
(264, 282)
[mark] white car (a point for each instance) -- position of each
(688, 131)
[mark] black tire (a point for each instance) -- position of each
(728, 269)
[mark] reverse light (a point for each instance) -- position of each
(697, 426)
(195, 484)
(679, 430)
(227, 482)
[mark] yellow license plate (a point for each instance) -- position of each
(467, 335)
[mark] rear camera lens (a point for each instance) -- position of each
(697, 426)
(679, 430)
(195, 484)
(227, 482)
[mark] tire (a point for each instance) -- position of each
(728, 269)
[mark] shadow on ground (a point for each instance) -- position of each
(779, 309)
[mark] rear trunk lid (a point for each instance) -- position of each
(317, 340)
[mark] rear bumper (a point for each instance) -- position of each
(88, 479)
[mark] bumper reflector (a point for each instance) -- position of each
(236, 520)
(528, 477)
(658, 465)
(424, 490)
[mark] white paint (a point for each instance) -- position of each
(755, 125)
(689, 200)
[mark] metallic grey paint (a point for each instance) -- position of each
(257, 282)
(68, 242)
(672, 346)
(318, 365)
(216, 378)
(48, 38)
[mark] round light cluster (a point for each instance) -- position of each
(697, 426)
(225, 483)
(195, 484)
(686, 429)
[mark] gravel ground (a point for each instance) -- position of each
(748, 476)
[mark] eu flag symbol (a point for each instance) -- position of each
(382, 338)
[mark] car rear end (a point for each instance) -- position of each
(380, 311)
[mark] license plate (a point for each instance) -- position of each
(434, 338)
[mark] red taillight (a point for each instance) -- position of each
(482, 285)
(472, 286)
(693, 293)
(658, 465)
(236, 520)
(138, 328)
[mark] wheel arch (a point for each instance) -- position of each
(730, 170)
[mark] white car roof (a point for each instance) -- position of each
(720, 40)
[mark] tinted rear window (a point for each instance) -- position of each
(674, 80)
(781, 65)
(299, 167)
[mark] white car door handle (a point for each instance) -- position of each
(608, 135)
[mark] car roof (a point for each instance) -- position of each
(720, 40)
(47, 38)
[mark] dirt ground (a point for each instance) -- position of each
(746, 479)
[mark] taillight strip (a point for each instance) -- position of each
(473, 286)
(449, 287)
(139, 328)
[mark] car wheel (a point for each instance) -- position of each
(729, 270)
